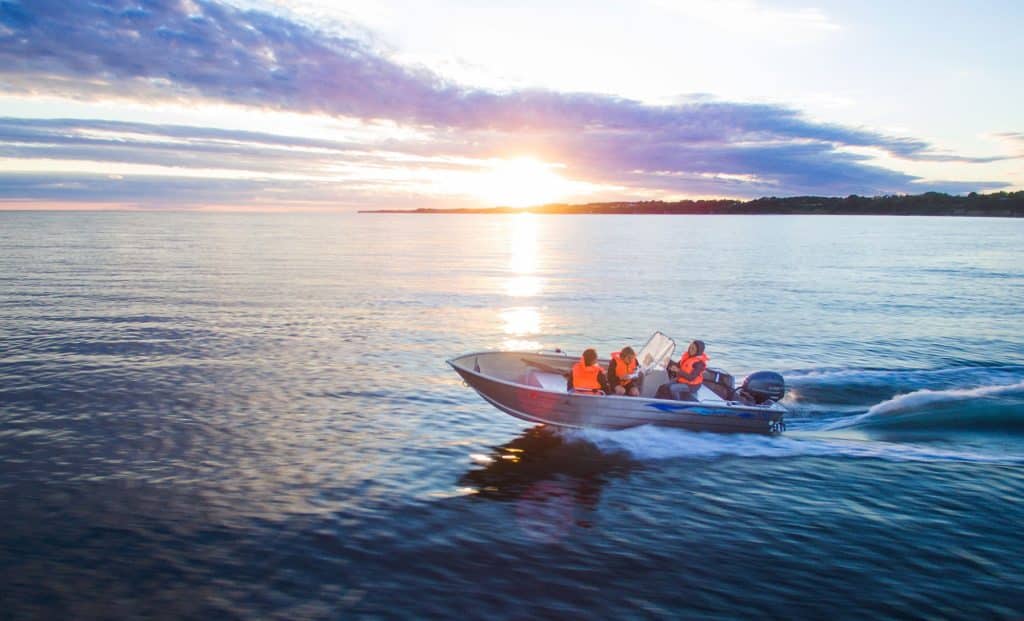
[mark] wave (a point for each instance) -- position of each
(980, 397)
(658, 443)
(858, 388)
(994, 407)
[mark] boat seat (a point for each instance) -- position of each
(705, 394)
(547, 381)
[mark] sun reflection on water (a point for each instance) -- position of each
(522, 264)
(522, 321)
(522, 286)
(523, 244)
(519, 323)
(521, 345)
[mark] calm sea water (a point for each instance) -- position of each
(249, 416)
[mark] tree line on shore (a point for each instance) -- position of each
(996, 204)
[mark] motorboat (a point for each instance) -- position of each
(532, 386)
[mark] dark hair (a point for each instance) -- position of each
(589, 356)
(627, 351)
(700, 346)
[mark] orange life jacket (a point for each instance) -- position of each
(585, 378)
(686, 364)
(621, 368)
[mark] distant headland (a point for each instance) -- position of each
(997, 204)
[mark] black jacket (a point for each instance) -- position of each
(613, 379)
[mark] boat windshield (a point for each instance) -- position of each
(656, 353)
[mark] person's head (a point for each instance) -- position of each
(696, 348)
(627, 355)
(589, 357)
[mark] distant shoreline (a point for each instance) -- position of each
(995, 205)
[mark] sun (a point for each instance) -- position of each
(522, 182)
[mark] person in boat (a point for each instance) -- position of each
(689, 374)
(623, 373)
(587, 375)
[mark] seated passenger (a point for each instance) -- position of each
(689, 374)
(587, 375)
(623, 373)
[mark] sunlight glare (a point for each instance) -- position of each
(521, 345)
(523, 286)
(523, 244)
(521, 321)
(522, 182)
(523, 257)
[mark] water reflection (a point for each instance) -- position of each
(523, 244)
(523, 286)
(522, 321)
(522, 265)
(554, 481)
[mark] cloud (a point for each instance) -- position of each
(148, 165)
(172, 146)
(751, 19)
(170, 192)
(1014, 139)
(130, 191)
(203, 49)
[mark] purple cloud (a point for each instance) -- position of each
(162, 192)
(210, 50)
(170, 145)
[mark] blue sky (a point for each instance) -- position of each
(319, 105)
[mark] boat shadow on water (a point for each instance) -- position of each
(554, 480)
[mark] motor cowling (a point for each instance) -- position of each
(764, 386)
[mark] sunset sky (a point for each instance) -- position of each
(310, 104)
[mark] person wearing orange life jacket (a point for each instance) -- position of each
(587, 375)
(689, 373)
(623, 373)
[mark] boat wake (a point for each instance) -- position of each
(982, 399)
(984, 408)
(658, 443)
(900, 415)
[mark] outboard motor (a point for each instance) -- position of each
(762, 387)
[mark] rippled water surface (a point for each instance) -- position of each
(249, 416)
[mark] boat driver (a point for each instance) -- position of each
(689, 373)
(587, 376)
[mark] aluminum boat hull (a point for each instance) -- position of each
(503, 379)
